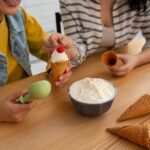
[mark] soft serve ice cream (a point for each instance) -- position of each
(59, 62)
(92, 90)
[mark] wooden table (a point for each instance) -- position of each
(55, 125)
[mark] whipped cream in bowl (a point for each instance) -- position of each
(92, 96)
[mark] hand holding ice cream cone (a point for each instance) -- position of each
(110, 59)
(59, 63)
(57, 40)
(119, 64)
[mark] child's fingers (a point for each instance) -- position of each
(61, 41)
(23, 107)
(69, 67)
(15, 96)
(58, 83)
(123, 58)
(65, 76)
(19, 116)
(123, 68)
(65, 81)
(47, 44)
(24, 92)
(50, 50)
(56, 40)
(119, 73)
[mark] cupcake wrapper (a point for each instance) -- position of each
(58, 69)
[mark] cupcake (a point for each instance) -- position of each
(59, 62)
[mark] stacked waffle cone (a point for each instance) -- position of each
(139, 134)
(139, 108)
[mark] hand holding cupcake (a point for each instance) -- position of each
(60, 67)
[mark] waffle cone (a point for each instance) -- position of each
(109, 58)
(58, 69)
(139, 108)
(139, 134)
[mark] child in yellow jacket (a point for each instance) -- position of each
(20, 34)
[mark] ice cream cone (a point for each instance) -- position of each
(59, 62)
(139, 108)
(58, 69)
(109, 58)
(139, 134)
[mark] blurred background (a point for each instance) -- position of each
(45, 12)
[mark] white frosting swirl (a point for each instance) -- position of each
(58, 57)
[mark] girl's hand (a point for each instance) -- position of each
(11, 111)
(56, 40)
(129, 62)
(63, 79)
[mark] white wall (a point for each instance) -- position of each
(44, 11)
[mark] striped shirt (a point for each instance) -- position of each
(82, 22)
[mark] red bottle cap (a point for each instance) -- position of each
(60, 49)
